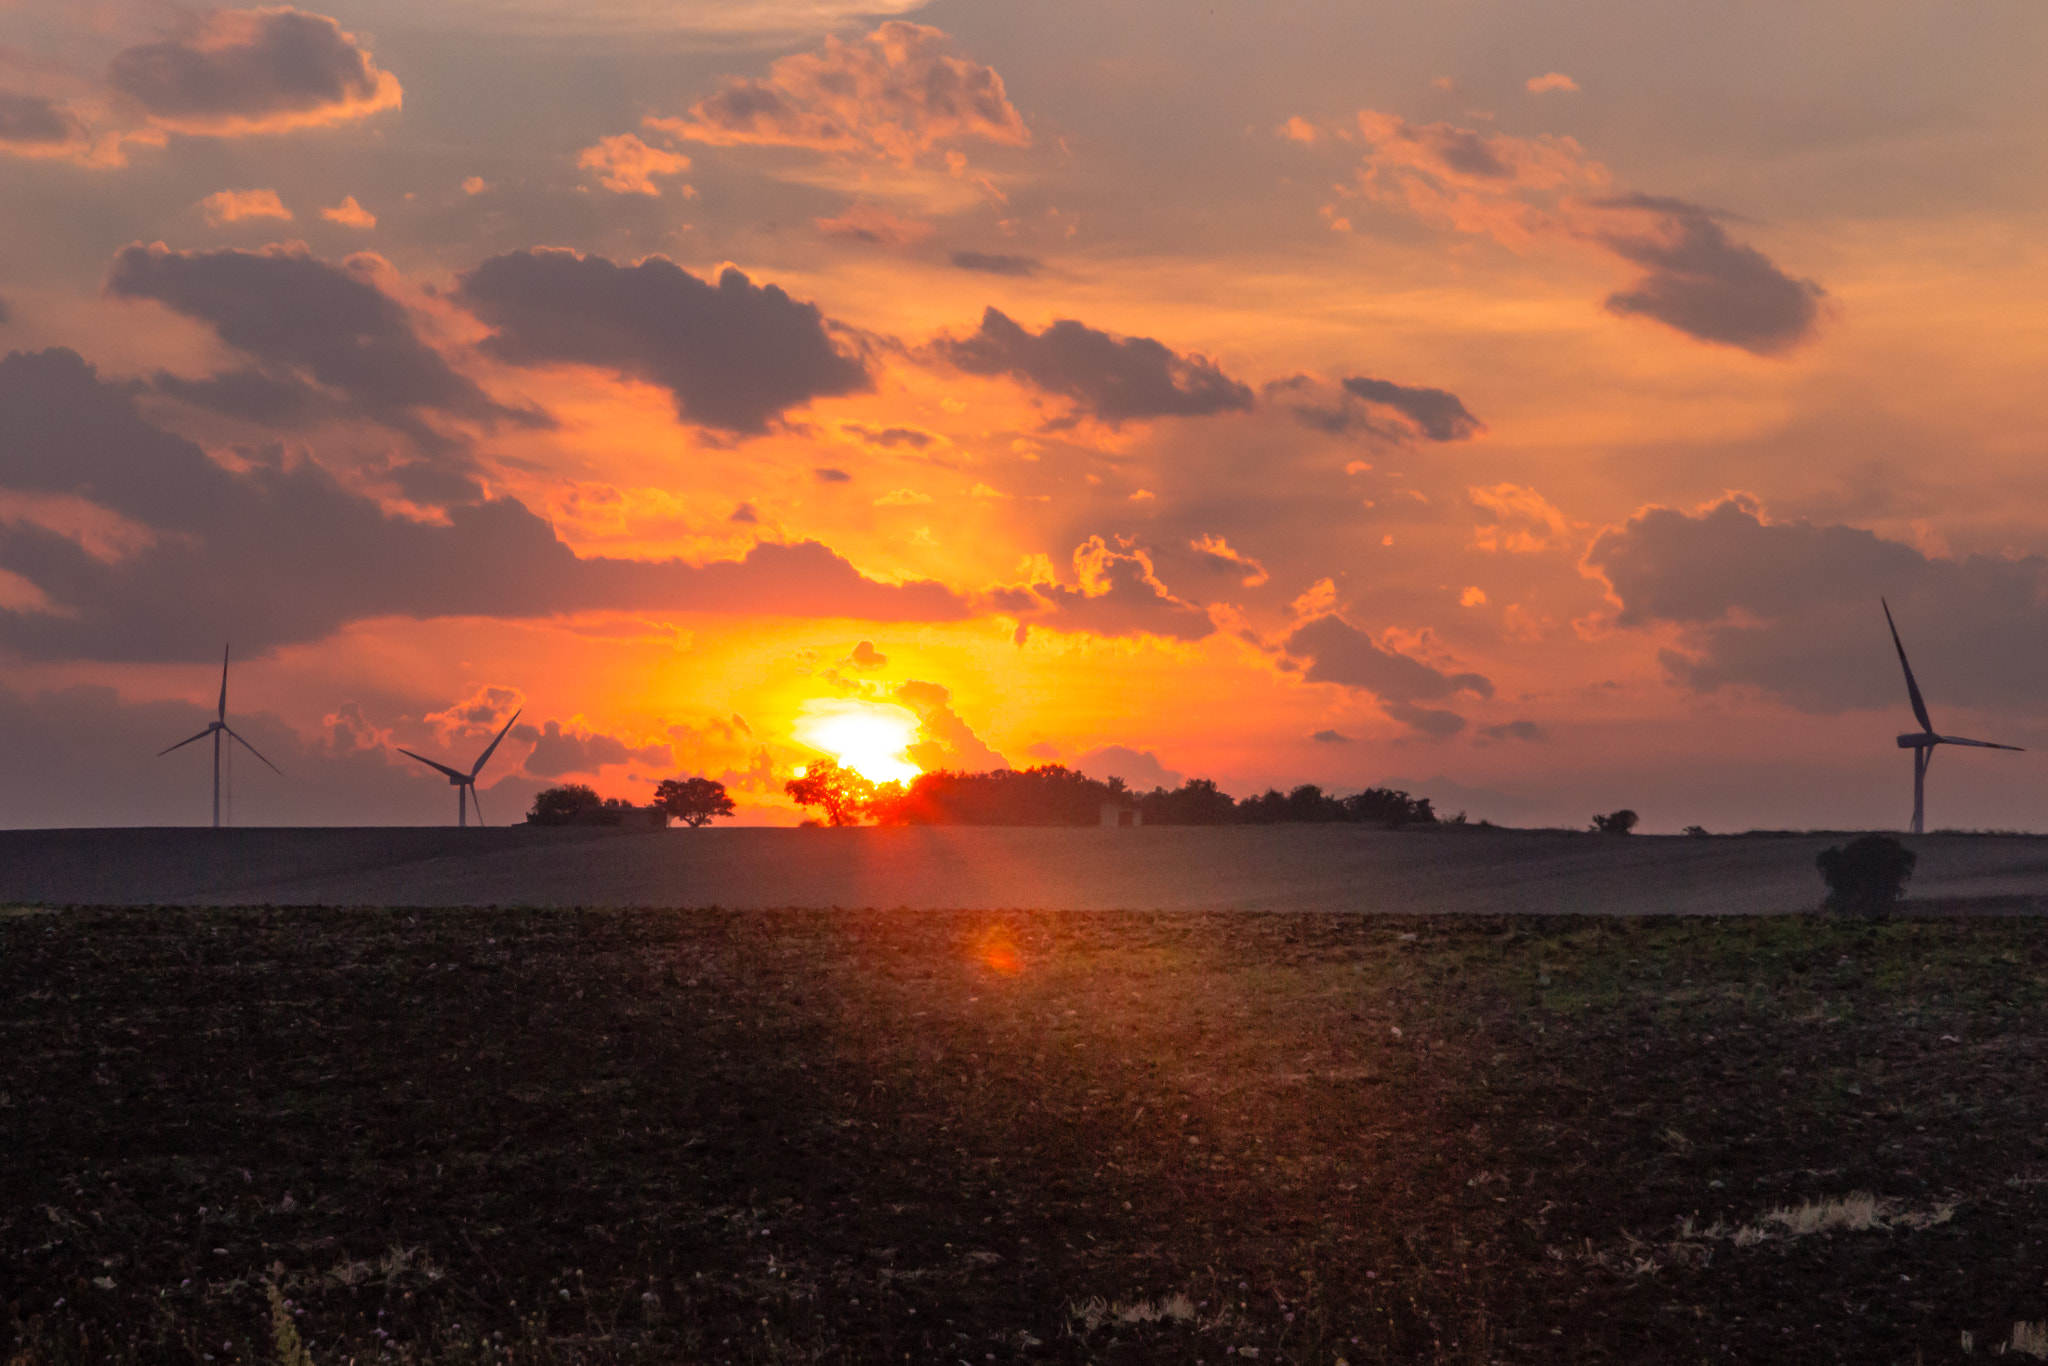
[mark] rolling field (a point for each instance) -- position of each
(559, 1135)
(1336, 868)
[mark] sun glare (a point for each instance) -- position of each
(867, 737)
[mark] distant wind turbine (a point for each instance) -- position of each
(217, 728)
(465, 783)
(1922, 744)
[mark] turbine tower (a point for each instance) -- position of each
(217, 728)
(1923, 742)
(465, 783)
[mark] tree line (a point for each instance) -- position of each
(1050, 794)
(1053, 794)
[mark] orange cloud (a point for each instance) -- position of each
(894, 95)
(239, 72)
(866, 223)
(1525, 524)
(626, 164)
(350, 214)
(235, 206)
(1555, 80)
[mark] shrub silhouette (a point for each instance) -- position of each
(1620, 822)
(1866, 875)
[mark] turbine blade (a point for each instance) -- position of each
(477, 802)
(484, 758)
(182, 743)
(1912, 688)
(1980, 744)
(222, 714)
(459, 777)
(253, 750)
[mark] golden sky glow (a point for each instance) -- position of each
(1523, 405)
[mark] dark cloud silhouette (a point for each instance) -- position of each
(825, 474)
(989, 264)
(1117, 379)
(866, 656)
(892, 436)
(1792, 608)
(304, 323)
(1514, 730)
(32, 122)
(745, 514)
(735, 355)
(1331, 737)
(1337, 652)
(253, 71)
(281, 552)
(556, 752)
(1437, 414)
(1376, 407)
(1707, 285)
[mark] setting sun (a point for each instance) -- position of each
(868, 737)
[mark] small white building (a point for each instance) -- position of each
(1118, 816)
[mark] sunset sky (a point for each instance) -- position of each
(1525, 405)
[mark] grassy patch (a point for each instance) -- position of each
(561, 1136)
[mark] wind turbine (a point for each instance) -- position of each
(1922, 744)
(465, 783)
(217, 728)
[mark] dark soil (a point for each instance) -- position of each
(867, 1136)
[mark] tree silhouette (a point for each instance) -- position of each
(569, 804)
(1867, 874)
(693, 801)
(843, 793)
(1620, 822)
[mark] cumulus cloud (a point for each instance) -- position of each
(1332, 650)
(235, 72)
(279, 552)
(1140, 769)
(1218, 554)
(1118, 594)
(867, 223)
(1792, 608)
(1115, 379)
(1437, 414)
(626, 164)
(895, 95)
(37, 126)
(557, 752)
(944, 739)
(322, 338)
(1555, 80)
(1330, 737)
(1524, 521)
(735, 355)
(350, 214)
(1696, 278)
(988, 264)
(234, 206)
(866, 656)
(1699, 281)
